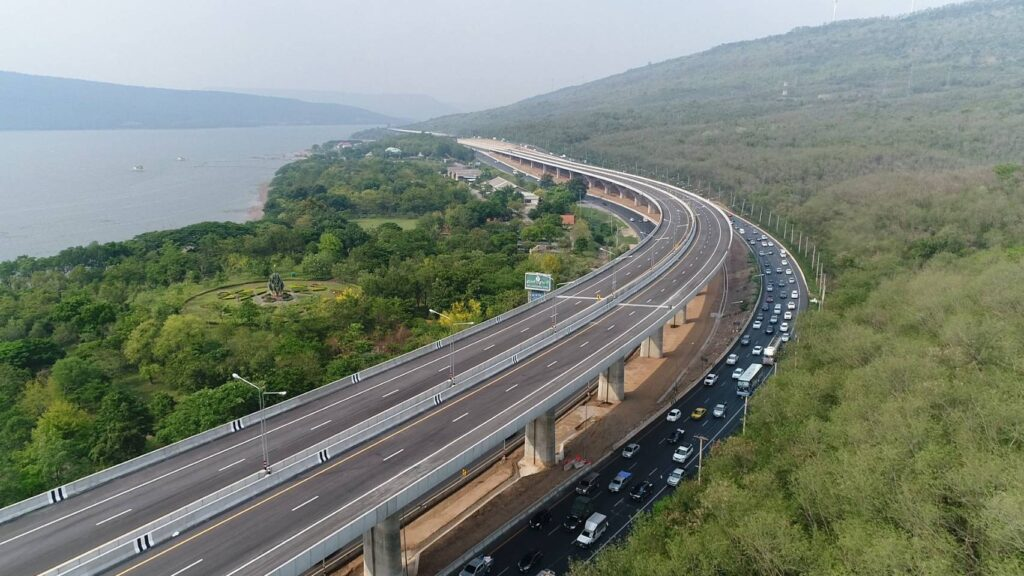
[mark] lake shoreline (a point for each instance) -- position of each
(255, 211)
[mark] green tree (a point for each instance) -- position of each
(120, 428)
(59, 449)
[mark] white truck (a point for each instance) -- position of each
(592, 530)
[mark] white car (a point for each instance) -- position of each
(785, 262)
(737, 373)
(756, 351)
(674, 414)
(788, 315)
(711, 379)
(794, 294)
(682, 453)
(478, 566)
(777, 310)
(789, 271)
(784, 337)
(675, 477)
(757, 324)
(769, 288)
(770, 243)
(719, 411)
(630, 450)
(791, 305)
(782, 253)
(784, 327)
(792, 280)
(731, 361)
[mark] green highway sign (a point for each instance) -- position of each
(539, 282)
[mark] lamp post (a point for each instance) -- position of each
(263, 418)
(700, 456)
(451, 342)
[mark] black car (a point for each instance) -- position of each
(745, 341)
(769, 330)
(541, 519)
(759, 317)
(640, 490)
(674, 436)
(529, 560)
(765, 308)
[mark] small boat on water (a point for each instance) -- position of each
(180, 158)
(137, 168)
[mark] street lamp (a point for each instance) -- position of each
(451, 342)
(700, 456)
(263, 419)
(652, 249)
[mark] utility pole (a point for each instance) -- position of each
(745, 400)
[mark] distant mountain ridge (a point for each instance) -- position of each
(29, 102)
(412, 107)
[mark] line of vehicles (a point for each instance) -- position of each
(595, 510)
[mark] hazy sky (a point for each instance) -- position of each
(479, 52)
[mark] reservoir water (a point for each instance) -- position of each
(67, 188)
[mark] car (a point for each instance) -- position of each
(784, 327)
(640, 490)
(774, 319)
(788, 315)
(674, 414)
(791, 305)
(541, 519)
(760, 252)
(784, 337)
(782, 253)
(789, 271)
(764, 244)
(698, 413)
(737, 373)
(478, 566)
(778, 309)
(764, 307)
(620, 481)
(682, 453)
(630, 450)
(794, 294)
(768, 271)
(675, 477)
(769, 330)
(730, 360)
(711, 379)
(756, 351)
(782, 283)
(759, 317)
(778, 270)
(792, 280)
(529, 560)
(745, 341)
(675, 436)
(785, 262)
(757, 325)
(719, 411)
(769, 299)
(769, 288)
(771, 252)
(631, 219)
(751, 242)
(770, 243)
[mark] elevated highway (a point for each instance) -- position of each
(510, 374)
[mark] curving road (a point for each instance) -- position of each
(269, 529)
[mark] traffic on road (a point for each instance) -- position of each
(576, 524)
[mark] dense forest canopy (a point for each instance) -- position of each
(892, 441)
(109, 350)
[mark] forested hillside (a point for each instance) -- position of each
(109, 350)
(892, 440)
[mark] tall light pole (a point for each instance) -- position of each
(745, 399)
(263, 419)
(554, 308)
(700, 456)
(451, 342)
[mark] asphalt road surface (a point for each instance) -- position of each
(654, 462)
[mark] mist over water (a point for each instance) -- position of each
(66, 188)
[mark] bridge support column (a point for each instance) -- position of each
(652, 346)
(540, 440)
(382, 548)
(611, 385)
(680, 317)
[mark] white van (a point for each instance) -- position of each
(592, 530)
